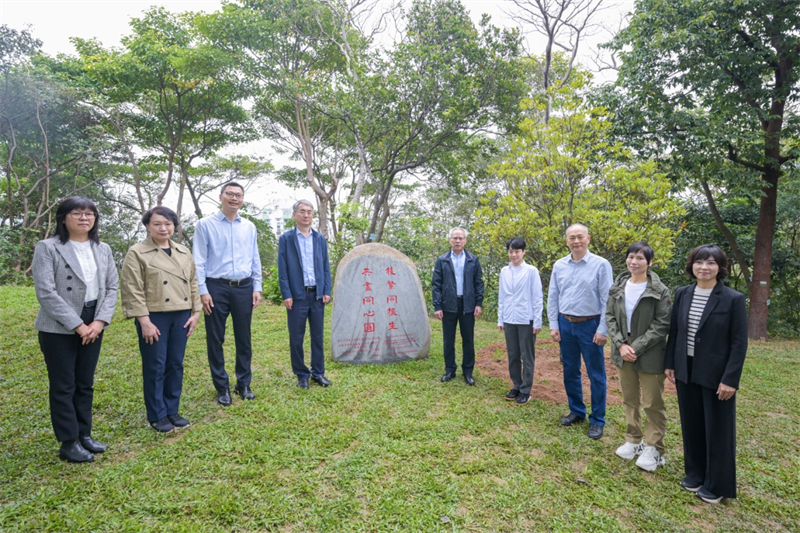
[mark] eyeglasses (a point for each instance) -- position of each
(236, 195)
(81, 214)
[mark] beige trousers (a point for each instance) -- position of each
(643, 391)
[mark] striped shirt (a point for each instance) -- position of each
(699, 301)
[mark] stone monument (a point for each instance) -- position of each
(379, 311)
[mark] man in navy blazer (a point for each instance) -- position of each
(304, 275)
(458, 299)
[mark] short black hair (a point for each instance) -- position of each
(643, 248)
(705, 251)
(65, 208)
(517, 243)
(230, 184)
(165, 212)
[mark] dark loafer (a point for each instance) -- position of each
(469, 380)
(512, 395)
(163, 425)
(570, 419)
(448, 377)
(595, 431)
(72, 451)
(224, 398)
(322, 381)
(91, 445)
(245, 392)
(178, 421)
(522, 399)
(302, 383)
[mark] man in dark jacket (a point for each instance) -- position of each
(458, 299)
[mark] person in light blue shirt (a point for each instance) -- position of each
(576, 305)
(519, 317)
(229, 277)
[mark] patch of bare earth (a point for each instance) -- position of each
(548, 379)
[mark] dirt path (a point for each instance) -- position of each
(548, 381)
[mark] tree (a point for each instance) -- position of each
(711, 86)
(176, 94)
(571, 171)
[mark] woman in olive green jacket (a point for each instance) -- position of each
(638, 315)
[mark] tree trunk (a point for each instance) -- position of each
(762, 256)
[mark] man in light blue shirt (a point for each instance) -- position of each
(229, 276)
(576, 306)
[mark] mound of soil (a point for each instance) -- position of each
(548, 379)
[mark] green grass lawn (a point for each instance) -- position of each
(387, 448)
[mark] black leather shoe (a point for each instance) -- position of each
(469, 380)
(224, 397)
(163, 425)
(91, 445)
(522, 399)
(570, 419)
(72, 451)
(322, 381)
(512, 395)
(245, 392)
(302, 383)
(595, 431)
(448, 376)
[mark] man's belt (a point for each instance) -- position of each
(231, 282)
(579, 318)
(312, 288)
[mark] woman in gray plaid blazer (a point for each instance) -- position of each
(76, 284)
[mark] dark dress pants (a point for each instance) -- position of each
(520, 343)
(709, 437)
(162, 364)
(466, 324)
(70, 368)
(311, 309)
(236, 301)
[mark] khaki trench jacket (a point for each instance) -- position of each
(649, 324)
(153, 281)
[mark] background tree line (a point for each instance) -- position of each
(406, 120)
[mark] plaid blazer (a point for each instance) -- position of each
(60, 289)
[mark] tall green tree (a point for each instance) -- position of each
(712, 87)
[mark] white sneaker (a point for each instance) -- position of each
(630, 450)
(650, 459)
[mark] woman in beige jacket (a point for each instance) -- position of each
(159, 290)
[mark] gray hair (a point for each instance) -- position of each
(298, 203)
(577, 225)
(450, 233)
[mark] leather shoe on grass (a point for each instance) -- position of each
(570, 419)
(224, 398)
(512, 395)
(91, 445)
(302, 383)
(178, 421)
(469, 380)
(595, 431)
(322, 381)
(448, 377)
(245, 392)
(522, 399)
(72, 451)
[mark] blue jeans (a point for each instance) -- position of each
(576, 339)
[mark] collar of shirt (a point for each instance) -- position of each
(584, 259)
(221, 216)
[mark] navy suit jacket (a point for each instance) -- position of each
(720, 344)
(444, 284)
(290, 266)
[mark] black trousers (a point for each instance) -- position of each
(310, 309)
(70, 369)
(236, 301)
(466, 324)
(709, 437)
(162, 364)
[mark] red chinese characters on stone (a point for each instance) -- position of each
(392, 326)
(391, 284)
(392, 298)
(368, 286)
(370, 314)
(369, 327)
(390, 271)
(367, 300)
(366, 272)
(392, 312)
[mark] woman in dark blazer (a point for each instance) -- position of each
(704, 358)
(76, 284)
(159, 290)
